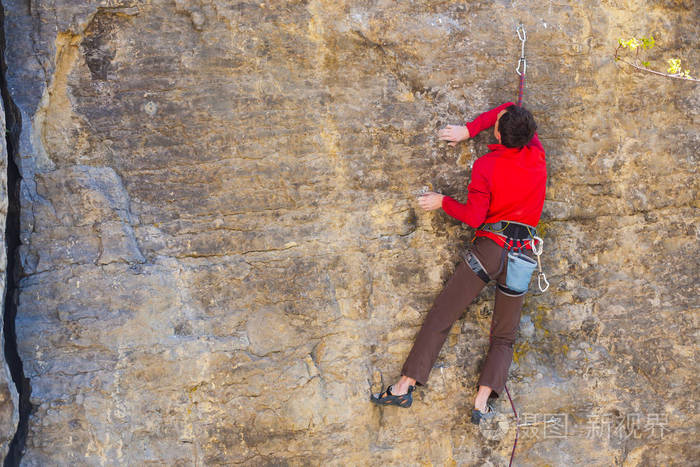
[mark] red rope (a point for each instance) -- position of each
(517, 424)
(517, 419)
(522, 88)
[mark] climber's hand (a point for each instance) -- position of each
(454, 134)
(430, 201)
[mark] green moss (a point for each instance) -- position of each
(520, 350)
(537, 320)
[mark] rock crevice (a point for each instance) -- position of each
(12, 241)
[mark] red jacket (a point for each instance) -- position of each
(506, 184)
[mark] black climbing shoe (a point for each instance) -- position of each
(478, 415)
(387, 398)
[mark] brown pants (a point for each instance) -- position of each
(461, 289)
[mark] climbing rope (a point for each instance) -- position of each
(517, 426)
(522, 35)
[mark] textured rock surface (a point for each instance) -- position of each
(222, 253)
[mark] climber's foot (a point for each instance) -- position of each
(399, 389)
(387, 397)
(478, 415)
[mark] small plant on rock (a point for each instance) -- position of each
(645, 43)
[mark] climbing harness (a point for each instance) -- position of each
(522, 35)
(510, 229)
(520, 266)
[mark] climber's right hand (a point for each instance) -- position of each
(454, 134)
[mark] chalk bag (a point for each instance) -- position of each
(520, 269)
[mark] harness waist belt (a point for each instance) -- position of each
(510, 229)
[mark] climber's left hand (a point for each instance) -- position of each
(454, 134)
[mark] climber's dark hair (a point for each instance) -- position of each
(517, 127)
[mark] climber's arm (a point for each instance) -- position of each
(486, 120)
(456, 133)
(473, 212)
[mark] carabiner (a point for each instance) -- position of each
(522, 35)
(537, 250)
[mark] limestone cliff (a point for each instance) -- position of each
(221, 253)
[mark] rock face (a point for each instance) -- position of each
(222, 253)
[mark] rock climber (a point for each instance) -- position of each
(505, 198)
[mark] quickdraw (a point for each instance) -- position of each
(537, 250)
(522, 35)
(537, 245)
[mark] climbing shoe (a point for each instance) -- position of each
(478, 415)
(387, 398)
